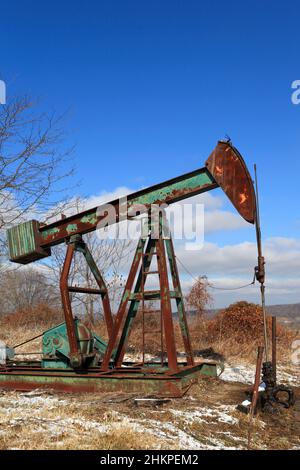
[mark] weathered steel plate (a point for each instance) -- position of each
(132, 380)
(229, 170)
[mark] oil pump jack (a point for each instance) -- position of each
(73, 357)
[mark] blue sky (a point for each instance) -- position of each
(151, 86)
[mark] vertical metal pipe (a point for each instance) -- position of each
(260, 269)
(260, 351)
(274, 346)
(259, 359)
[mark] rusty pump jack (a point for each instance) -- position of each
(76, 359)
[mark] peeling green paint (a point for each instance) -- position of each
(187, 185)
(71, 228)
(50, 231)
(23, 243)
(89, 219)
(126, 295)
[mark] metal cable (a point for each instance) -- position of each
(211, 285)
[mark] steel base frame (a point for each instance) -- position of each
(152, 380)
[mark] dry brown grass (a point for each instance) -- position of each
(48, 421)
(25, 324)
(22, 438)
(238, 330)
(234, 333)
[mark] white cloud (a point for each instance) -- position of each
(106, 196)
(282, 257)
(218, 220)
(210, 201)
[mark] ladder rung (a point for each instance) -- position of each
(147, 295)
(151, 331)
(149, 254)
(150, 272)
(86, 290)
(153, 294)
(151, 311)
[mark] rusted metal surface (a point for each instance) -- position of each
(83, 248)
(112, 342)
(126, 380)
(56, 349)
(274, 347)
(135, 298)
(24, 243)
(166, 308)
(75, 354)
(135, 294)
(169, 192)
(257, 380)
(179, 302)
(230, 172)
(255, 393)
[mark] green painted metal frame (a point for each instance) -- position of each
(126, 380)
(56, 346)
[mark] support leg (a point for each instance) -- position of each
(133, 309)
(166, 308)
(75, 355)
(101, 283)
(180, 302)
(123, 305)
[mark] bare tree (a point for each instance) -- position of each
(199, 297)
(23, 289)
(32, 171)
(32, 163)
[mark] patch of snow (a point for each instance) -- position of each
(288, 377)
(246, 373)
(28, 402)
(234, 438)
(238, 373)
(171, 433)
(220, 413)
(29, 411)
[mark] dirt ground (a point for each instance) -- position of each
(206, 418)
